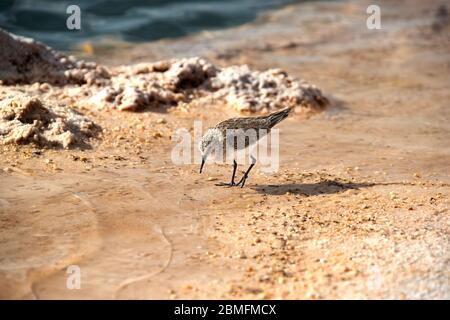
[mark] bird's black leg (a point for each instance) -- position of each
(232, 183)
(245, 176)
(234, 172)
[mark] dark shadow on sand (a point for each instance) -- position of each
(310, 189)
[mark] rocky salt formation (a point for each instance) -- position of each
(148, 85)
(32, 110)
(252, 91)
(24, 119)
(170, 82)
(24, 60)
(163, 83)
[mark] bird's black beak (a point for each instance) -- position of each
(201, 166)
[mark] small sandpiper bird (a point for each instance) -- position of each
(234, 134)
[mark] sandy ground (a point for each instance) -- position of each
(359, 208)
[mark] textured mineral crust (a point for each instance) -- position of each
(24, 60)
(149, 85)
(252, 91)
(173, 81)
(38, 83)
(24, 119)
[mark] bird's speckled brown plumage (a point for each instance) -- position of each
(261, 125)
(261, 122)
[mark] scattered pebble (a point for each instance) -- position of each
(278, 243)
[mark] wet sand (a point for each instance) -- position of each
(359, 208)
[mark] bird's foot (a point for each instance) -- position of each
(242, 181)
(226, 184)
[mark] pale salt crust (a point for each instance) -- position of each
(173, 81)
(58, 80)
(164, 83)
(25, 119)
(23, 60)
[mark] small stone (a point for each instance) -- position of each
(393, 195)
(264, 295)
(264, 277)
(157, 135)
(278, 243)
(187, 287)
(7, 169)
(312, 295)
(161, 121)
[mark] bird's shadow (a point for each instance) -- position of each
(310, 189)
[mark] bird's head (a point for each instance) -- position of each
(210, 140)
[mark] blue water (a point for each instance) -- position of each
(132, 20)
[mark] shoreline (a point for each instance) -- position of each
(359, 208)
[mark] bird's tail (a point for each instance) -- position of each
(278, 116)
